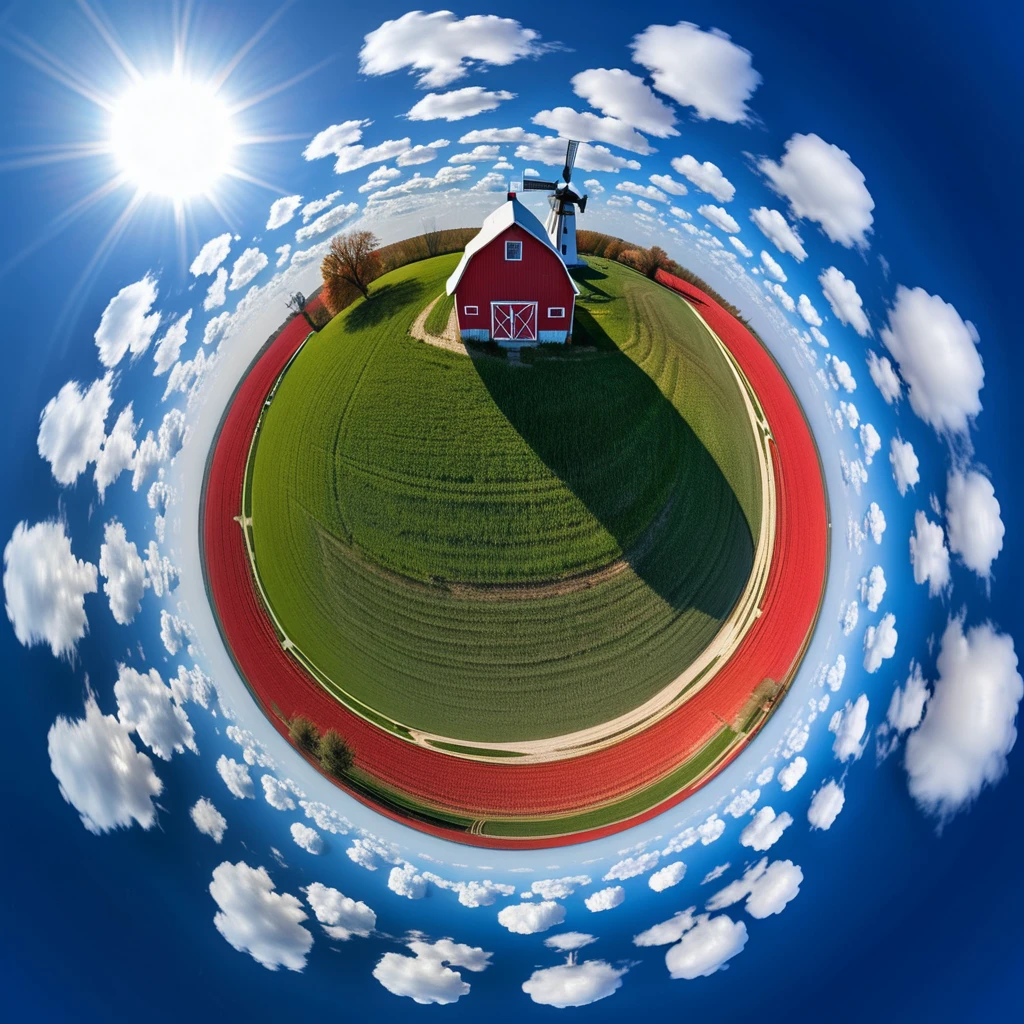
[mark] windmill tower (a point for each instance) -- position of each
(561, 222)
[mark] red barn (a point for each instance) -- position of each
(511, 286)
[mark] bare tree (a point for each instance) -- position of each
(432, 237)
(354, 260)
(297, 304)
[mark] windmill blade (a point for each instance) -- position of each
(570, 159)
(536, 185)
(582, 204)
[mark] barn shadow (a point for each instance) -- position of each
(382, 303)
(662, 497)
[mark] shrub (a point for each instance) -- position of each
(305, 735)
(336, 756)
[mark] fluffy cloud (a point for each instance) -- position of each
(235, 776)
(708, 832)
(558, 888)
(319, 205)
(257, 920)
(550, 150)
(588, 127)
(308, 838)
(904, 464)
(880, 642)
(740, 247)
(246, 267)
(605, 899)
(929, 555)
(766, 888)
(424, 977)
(216, 294)
(168, 348)
(668, 876)
(530, 918)
(117, 453)
(969, 725)
(849, 726)
(835, 674)
(846, 303)
(765, 830)
(719, 217)
(421, 154)
(632, 866)
(208, 819)
(706, 947)
(405, 880)
(872, 588)
(342, 918)
(937, 355)
(45, 587)
(808, 312)
(706, 176)
(906, 708)
(72, 428)
(440, 48)
(330, 142)
(843, 374)
(667, 932)
(772, 267)
(826, 804)
(645, 191)
(703, 70)
(574, 984)
(327, 222)
(973, 523)
(884, 377)
(792, 773)
(283, 252)
(127, 324)
(147, 706)
(212, 255)
(277, 794)
(378, 177)
(566, 942)
(742, 802)
(626, 97)
(154, 450)
(282, 210)
(848, 615)
(782, 295)
(124, 571)
(458, 104)
(870, 442)
(823, 184)
(777, 230)
(874, 522)
(100, 773)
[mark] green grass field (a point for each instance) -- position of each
(424, 522)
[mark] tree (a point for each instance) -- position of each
(297, 304)
(336, 756)
(305, 735)
(354, 260)
(657, 258)
(432, 237)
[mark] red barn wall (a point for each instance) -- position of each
(539, 277)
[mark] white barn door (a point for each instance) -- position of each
(514, 321)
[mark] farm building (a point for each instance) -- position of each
(511, 286)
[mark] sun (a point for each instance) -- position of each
(172, 136)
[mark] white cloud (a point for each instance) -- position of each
(342, 918)
(246, 267)
(849, 726)
(823, 184)
(154, 450)
(703, 70)
(493, 181)
(826, 804)
(719, 217)
(647, 207)
(319, 205)
(574, 984)
(405, 880)
(836, 673)
(937, 355)
(707, 832)
(632, 866)
(127, 324)
(277, 793)
(667, 932)
(767, 888)
(880, 642)
(668, 184)
(904, 464)
(772, 266)
(808, 312)
(168, 348)
(282, 210)
(379, 176)
(668, 876)
(283, 252)
(645, 191)
(765, 830)
(929, 555)
(124, 572)
(872, 588)
(45, 587)
(208, 819)
(566, 942)
(742, 802)
(235, 776)
(626, 97)
(212, 255)
(740, 247)
(792, 773)
(308, 838)
(874, 522)
(848, 615)
(973, 523)
(819, 337)
(605, 899)
(706, 947)
(884, 377)
(777, 230)
(906, 708)
(870, 442)
(559, 888)
(969, 725)
(424, 977)
(550, 150)
(257, 920)
(330, 142)
(327, 222)
(530, 918)
(458, 103)
(146, 705)
(421, 154)
(117, 452)
(72, 428)
(589, 127)
(706, 176)
(216, 294)
(846, 303)
(325, 818)
(440, 48)
(843, 374)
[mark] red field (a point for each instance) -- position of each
(771, 649)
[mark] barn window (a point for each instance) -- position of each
(470, 310)
(513, 250)
(556, 312)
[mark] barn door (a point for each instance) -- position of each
(514, 321)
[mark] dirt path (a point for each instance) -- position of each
(450, 340)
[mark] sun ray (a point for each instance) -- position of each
(107, 35)
(275, 89)
(225, 73)
(260, 140)
(236, 172)
(38, 156)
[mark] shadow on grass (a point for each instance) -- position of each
(383, 303)
(658, 491)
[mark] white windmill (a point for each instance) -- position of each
(561, 222)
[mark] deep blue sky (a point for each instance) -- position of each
(893, 920)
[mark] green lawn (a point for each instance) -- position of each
(396, 487)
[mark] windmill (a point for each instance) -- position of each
(561, 222)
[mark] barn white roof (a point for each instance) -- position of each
(509, 213)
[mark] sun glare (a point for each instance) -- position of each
(172, 137)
